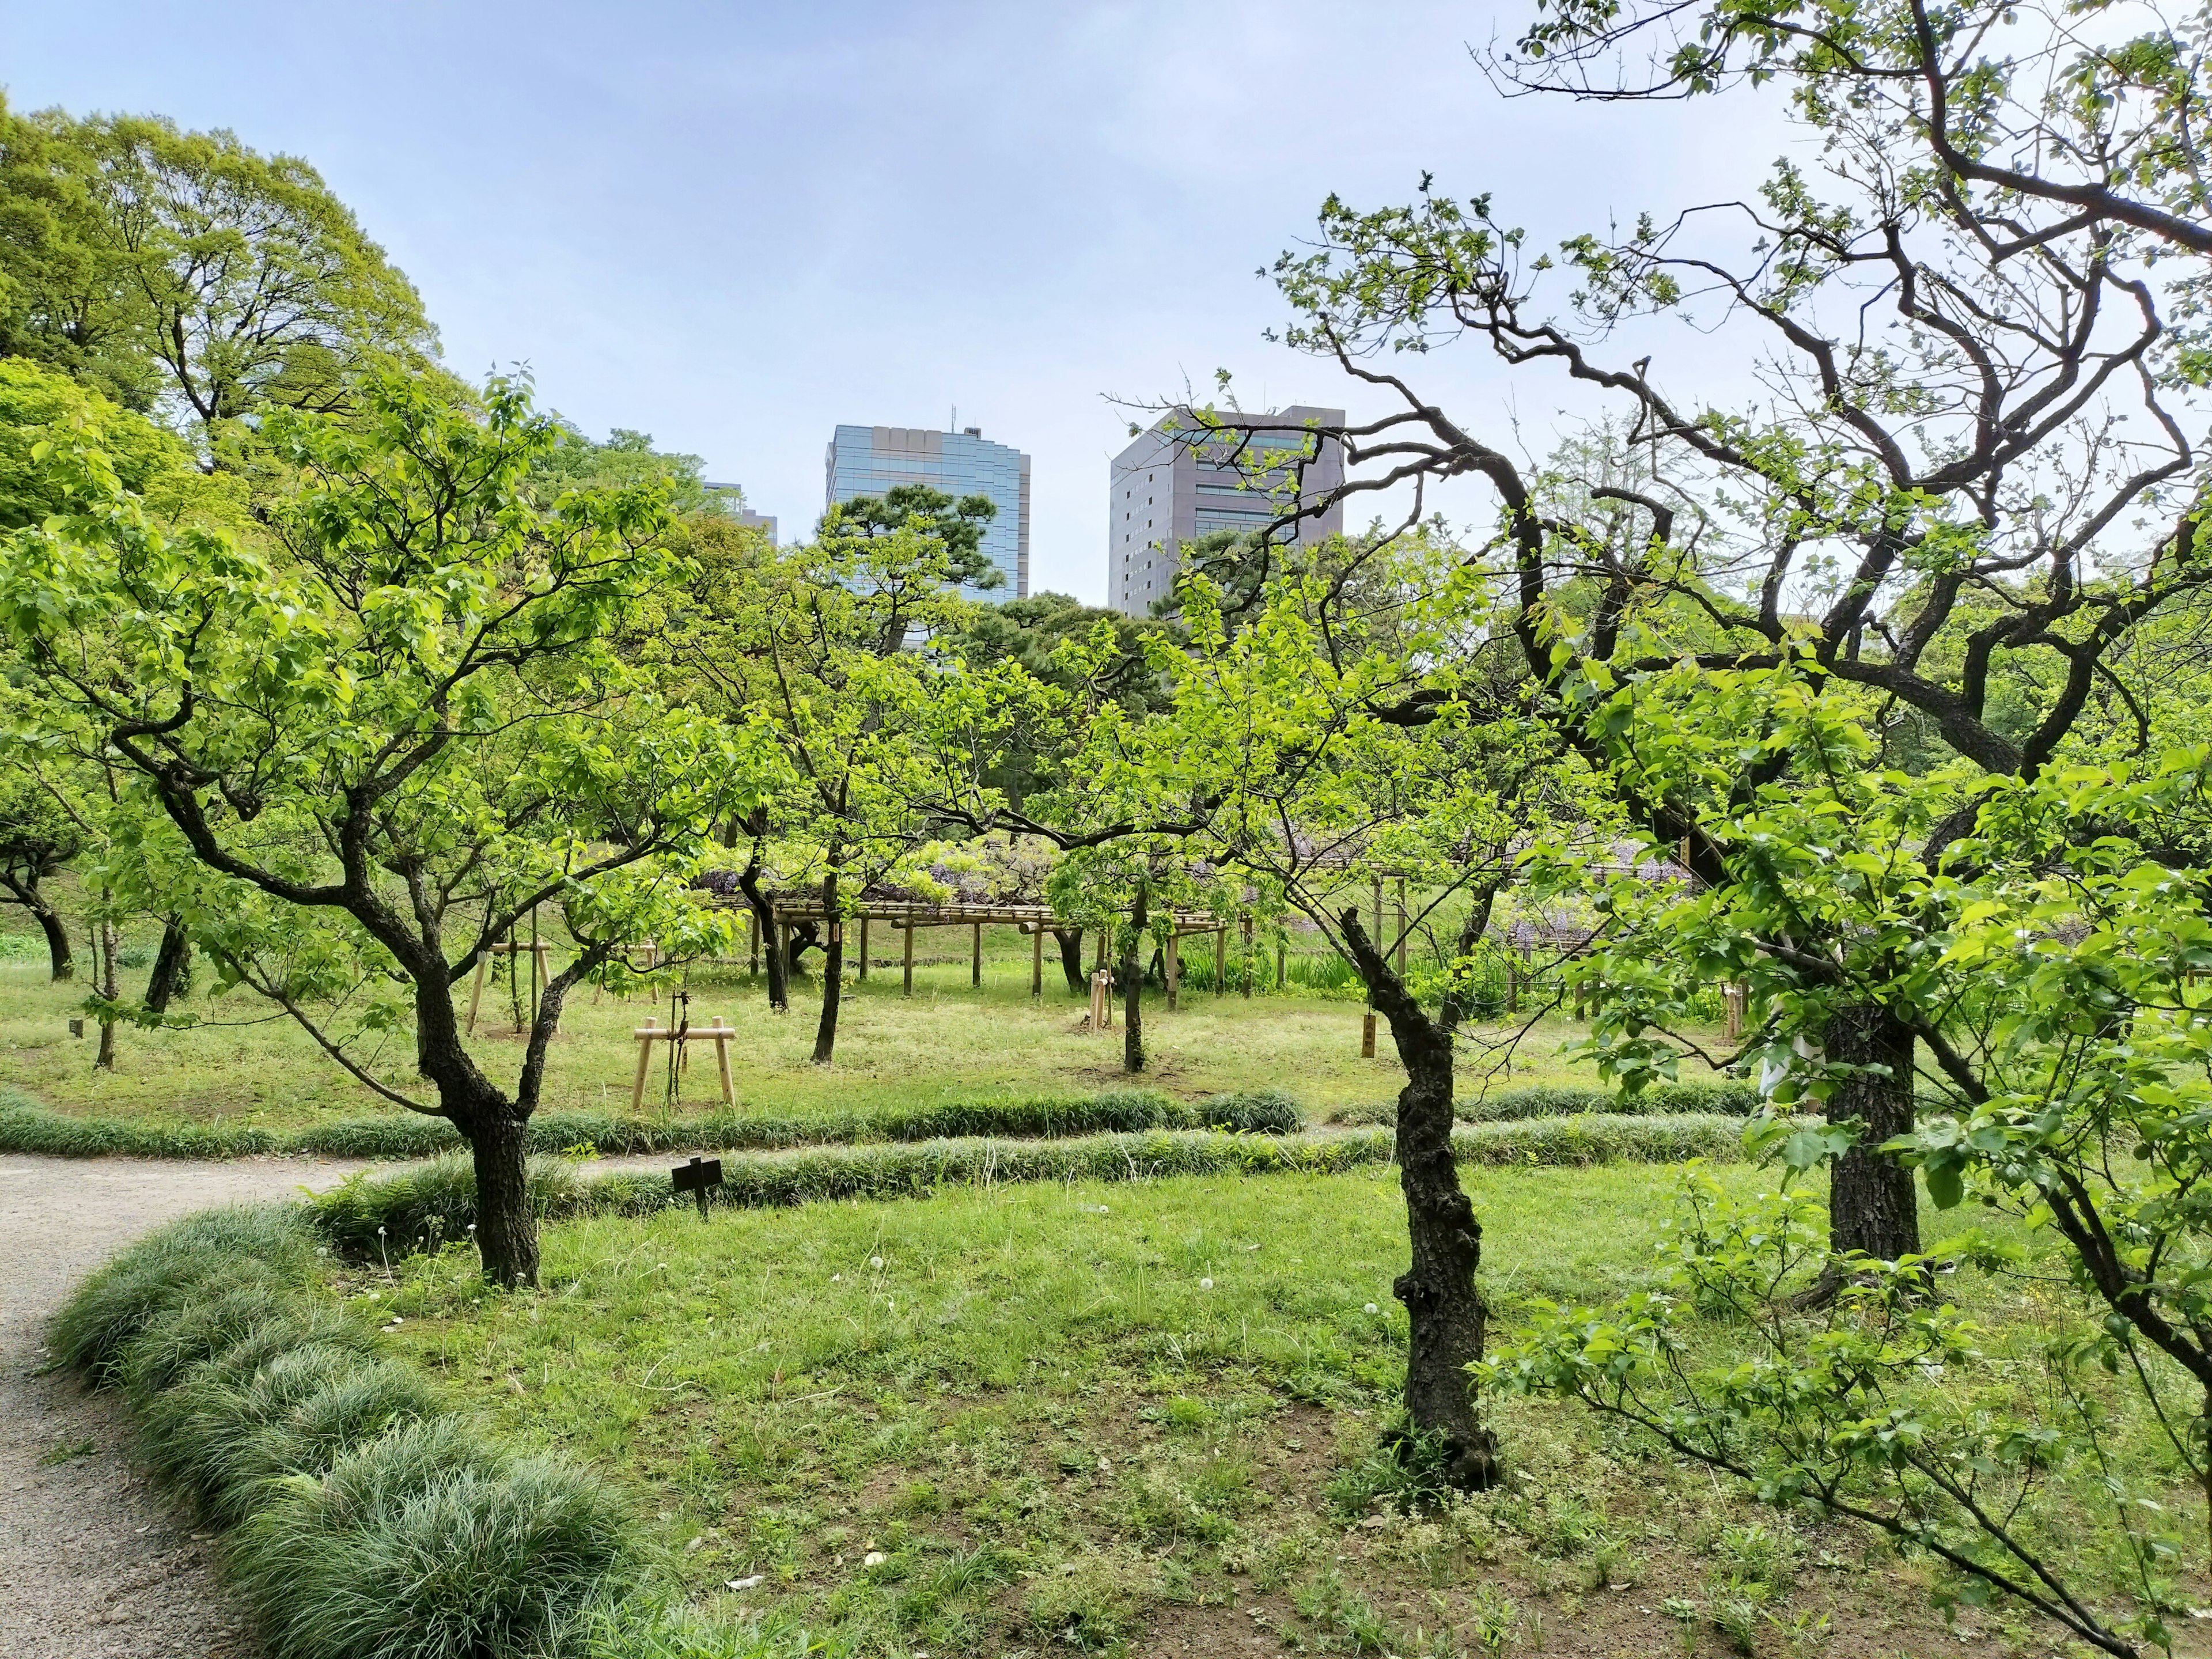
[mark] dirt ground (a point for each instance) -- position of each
(94, 1563)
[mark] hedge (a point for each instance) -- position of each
(420, 1208)
(1726, 1099)
(27, 1126)
(367, 1519)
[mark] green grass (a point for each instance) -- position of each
(426, 1206)
(243, 1073)
(1137, 1417)
(27, 1126)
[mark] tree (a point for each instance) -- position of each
(1938, 509)
(187, 272)
(402, 725)
(36, 838)
(804, 648)
(957, 526)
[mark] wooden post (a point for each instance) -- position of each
(864, 944)
(1247, 963)
(644, 1059)
(975, 962)
(483, 962)
(1732, 1001)
(1102, 1000)
(1281, 966)
(1221, 959)
(1512, 985)
(722, 1034)
(1377, 934)
(752, 941)
(1174, 965)
(1367, 1035)
(909, 951)
(1037, 959)
(1402, 927)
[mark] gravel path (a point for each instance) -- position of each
(94, 1563)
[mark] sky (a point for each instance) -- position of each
(734, 226)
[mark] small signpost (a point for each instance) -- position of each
(696, 1177)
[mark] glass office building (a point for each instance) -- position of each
(1173, 485)
(867, 460)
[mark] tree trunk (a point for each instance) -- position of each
(1443, 1306)
(494, 1127)
(804, 936)
(172, 969)
(507, 1229)
(1070, 958)
(779, 982)
(1133, 989)
(1872, 1208)
(104, 981)
(24, 888)
(833, 973)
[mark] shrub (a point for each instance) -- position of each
(1729, 1099)
(226, 1431)
(224, 1306)
(426, 1543)
(119, 1299)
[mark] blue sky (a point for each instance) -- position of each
(734, 226)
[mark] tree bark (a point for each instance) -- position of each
(833, 973)
(507, 1229)
(1132, 990)
(1872, 1206)
(104, 981)
(24, 888)
(804, 936)
(1444, 1308)
(172, 969)
(1070, 958)
(779, 980)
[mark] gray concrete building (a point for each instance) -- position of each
(1167, 491)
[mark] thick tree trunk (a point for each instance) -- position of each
(24, 888)
(833, 973)
(779, 982)
(1444, 1308)
(1070, 958)
(1132, 990)
(172, 969)
(494, 1126)
(1872, 1208)
(804, 936)
(507, 1229)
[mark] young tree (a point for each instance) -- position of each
(37, 839)
(805, 648)
(383, 742)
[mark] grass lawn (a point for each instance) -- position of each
(949, 1041)
(1142, 1418)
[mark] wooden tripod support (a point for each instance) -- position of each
(541, 951)
(649, 1034)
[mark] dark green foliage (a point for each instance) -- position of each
(26, 1127)
(121, 1298)
(226, 1429)
(372, 1523)
(1554, 1100)
(429, 1543)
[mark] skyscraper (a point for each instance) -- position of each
(867, 460)
(1168, 490)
